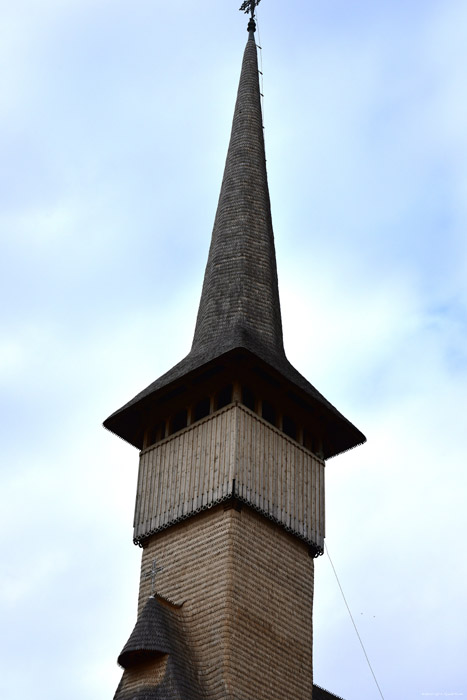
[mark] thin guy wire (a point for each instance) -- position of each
(353, 621)
(259, 44)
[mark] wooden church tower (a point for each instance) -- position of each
(230, 496)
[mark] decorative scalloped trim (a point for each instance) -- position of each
(315, 550)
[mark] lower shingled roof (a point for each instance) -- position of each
(126, 422)
(321, 694)
(159, 631)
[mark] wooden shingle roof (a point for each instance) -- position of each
(153, 634)
(240, 298)
(322, 694)
(159, 631)
(239, 310)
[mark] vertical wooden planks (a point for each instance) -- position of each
(195, 467)
(279, 477)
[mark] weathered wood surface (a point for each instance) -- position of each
(197, 467)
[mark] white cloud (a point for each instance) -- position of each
(114, 142)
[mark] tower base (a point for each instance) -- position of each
(236, 594)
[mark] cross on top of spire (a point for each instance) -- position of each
(249, 6)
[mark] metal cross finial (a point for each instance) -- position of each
(152, 573)
(249, 6)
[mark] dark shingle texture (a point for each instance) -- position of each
(153, 634)
(239, 307)
(321, 694)
(159, 630)
(240, 297)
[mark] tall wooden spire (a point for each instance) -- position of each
(239, 304)
(239, 311)
(230, 495)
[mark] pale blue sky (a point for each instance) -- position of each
(114, 125)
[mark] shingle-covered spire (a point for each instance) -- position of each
(240, 298)
(239, 313)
